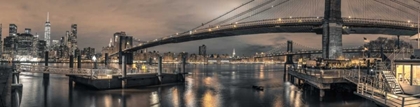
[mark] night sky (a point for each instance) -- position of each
(149, 19)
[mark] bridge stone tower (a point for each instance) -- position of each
(332, 44)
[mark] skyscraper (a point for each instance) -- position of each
(12, 30)
(73, 39)
(47, 35)
(28, 30)
(202, 50)
(233, 54)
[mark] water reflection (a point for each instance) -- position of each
(208, 86)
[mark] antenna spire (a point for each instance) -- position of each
(48, 16)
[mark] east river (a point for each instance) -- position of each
(227, 85)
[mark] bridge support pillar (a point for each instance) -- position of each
(46, 76)
(289, 46)
(288, 66)
(128, 57)
(332, 44)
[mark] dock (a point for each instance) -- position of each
(368, 86)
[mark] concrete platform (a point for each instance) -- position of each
(5, 86)
(136, 80)
(320, 80)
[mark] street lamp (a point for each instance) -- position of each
(95, 64)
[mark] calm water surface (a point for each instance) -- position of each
(209, 86)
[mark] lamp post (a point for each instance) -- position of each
(95, 63)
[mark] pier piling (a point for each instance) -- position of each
(160, 69)
(46, 76)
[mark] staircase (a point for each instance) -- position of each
(392, 82)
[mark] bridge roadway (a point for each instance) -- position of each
(285, 25)
(320, 52)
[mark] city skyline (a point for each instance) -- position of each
(151, 20)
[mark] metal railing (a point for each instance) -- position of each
(376, 89)
(100, 73)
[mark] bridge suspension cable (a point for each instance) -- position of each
(245, 12)
(405, 5)
(305, 47)
(278, 48)
(380, 2)
(263, 10)
(223, 14)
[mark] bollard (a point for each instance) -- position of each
(160, 69)
(79, 61)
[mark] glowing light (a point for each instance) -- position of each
(234, 25)
(236, 22)
(409, 21)
(290, 17)
(94, 58)
(279, 19)
(209, 30)
(350, 17)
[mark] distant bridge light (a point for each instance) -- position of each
(217, 27)
(176, 33)
(408, 21)
(317, 17)
(234, 25)
(279, 19)
(290, 17)
(209, 30)
(349, 17)
(190, 32)
(236, 22)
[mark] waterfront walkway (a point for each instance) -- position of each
(368, 86)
